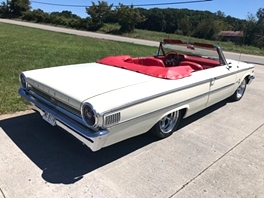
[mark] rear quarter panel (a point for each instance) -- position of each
(142, 106)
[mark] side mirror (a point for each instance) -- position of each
(229, 65)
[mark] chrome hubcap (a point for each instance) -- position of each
(168, 122)
(241, 89)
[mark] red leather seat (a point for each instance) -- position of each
(193, 65)
(148, 61)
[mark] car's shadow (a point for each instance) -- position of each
(61, 157)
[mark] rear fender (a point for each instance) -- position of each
(183, 108)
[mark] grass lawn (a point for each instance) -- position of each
(23, 48)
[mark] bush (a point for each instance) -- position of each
(28, 16)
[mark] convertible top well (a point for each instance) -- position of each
(148, 65)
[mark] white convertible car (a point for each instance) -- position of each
(119, 97)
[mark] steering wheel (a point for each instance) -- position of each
(172, 58)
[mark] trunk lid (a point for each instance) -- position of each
(75, 83)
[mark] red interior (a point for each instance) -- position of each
(204, 62)
(147, 61)
(154, 66)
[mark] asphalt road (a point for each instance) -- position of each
(216, 153)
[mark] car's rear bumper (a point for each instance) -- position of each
(94, 140)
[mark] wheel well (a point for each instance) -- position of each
(183, 112)
(247, 78)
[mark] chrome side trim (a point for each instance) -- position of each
(171, 91)
(246, 69)
(221, 88)
(94, 140)
(164, 108)
(232, 73)
(155, 96)
(225, 75)
(175, 105)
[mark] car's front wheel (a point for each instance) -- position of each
(166, 125)
(240, 91)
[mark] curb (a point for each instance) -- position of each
(16, 114)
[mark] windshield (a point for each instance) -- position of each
(191, 49)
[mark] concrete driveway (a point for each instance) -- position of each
(215, 153)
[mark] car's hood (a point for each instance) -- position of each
(76, 83)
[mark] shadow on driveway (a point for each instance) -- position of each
(61, 157)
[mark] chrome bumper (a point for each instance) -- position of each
(94, 140)
(250, 79)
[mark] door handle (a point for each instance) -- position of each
(213, 81)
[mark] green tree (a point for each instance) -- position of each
(17, 7)
(260, 15)
(222, 26)
(237, 24)
(250, 30)
(206, 29)
(98, 13)
(184, 21)
(220, 14)
(128, 17)
(254, 29)
(260, 28)
(155, 20)
(184, 26)
(68, 14)
(4, 10)
(170, 16)
(38, 16)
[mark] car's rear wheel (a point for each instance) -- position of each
(240, 91)
(167, 125)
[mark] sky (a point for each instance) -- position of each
(235, 8)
